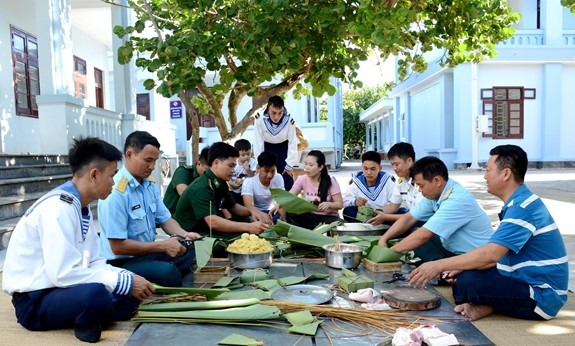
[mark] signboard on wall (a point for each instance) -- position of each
(175, 109)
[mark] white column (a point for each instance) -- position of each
(124, 75)
(55, 55)
(474, 113)
(552, 22)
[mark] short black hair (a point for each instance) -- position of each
(203, 158)
(243, 145)
(91, 151)
(137, 140)
(221, 151)
(371, 156)
(402, 150)
(512, 157)
(276, 101)
(429, 167)
(267, 159)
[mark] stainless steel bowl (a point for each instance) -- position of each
(250, 261)
(359, 229)
(348, 256)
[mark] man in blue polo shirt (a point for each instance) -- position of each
(523, 271)
(453, 221)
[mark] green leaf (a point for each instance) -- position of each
(300, 318)
(241, 340)
(246, 313)
(204, 248)
(291, 203)
(382, 254)
(199, 305)
(306, 329)
(305, 236)
(259, 294)
(210, 293)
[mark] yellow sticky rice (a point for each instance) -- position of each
(250, 243)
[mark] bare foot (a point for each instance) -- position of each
(473, 312)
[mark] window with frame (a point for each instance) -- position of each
(26, 72)
(99, 87)
(80, 78)
(503, 107)
(143, 105)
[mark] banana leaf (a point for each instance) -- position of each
(239, 340)
(270, 285)
(293, 280)
(204, 249)
(292, 203)
(382, 254)
(246, 313)
(365, 213)
(225, 281)
(305, 236)
(198, 305)
(210, 293)
(299, 318)
(323, 228)
(281, 228)
(259, 294)
(251, 275)
(306, 329)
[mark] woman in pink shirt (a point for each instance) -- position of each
(319, 188)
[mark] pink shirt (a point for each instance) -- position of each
(310, 192)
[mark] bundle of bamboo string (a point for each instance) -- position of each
(386, 321)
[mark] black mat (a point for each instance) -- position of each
(338, 333)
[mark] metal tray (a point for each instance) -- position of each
(308, 294)
(359, 229)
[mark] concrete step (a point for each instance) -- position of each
(30, 160)
(22, 186)
(16, 206)
(7, 226)
(14, 172)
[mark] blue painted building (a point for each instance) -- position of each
(523, 96)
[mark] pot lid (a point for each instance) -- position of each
(308, 294)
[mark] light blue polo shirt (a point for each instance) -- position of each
(456, 218)
(131, 211)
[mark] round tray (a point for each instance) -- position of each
(308, 294)
(359, 229)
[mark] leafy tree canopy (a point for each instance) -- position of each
(260, 48)
(570, 4)
(355, 102)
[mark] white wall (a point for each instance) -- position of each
(425, 108)
(567, 150)
(16, 131)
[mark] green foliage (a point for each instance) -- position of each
(570, 4)
(244, 47)
(355, 102)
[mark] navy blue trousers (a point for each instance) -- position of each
(281, 150)
(80, 306)
(505, 295)
(159, 268)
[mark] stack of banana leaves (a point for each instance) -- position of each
(252, 306)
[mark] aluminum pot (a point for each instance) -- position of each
(358, 229)
(348, 256)
(250, 261)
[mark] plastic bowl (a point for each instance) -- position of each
(251, 260)
(348, 256)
